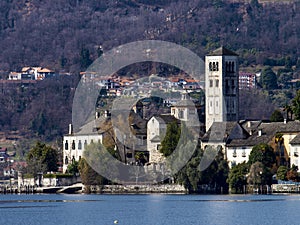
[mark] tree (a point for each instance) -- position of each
(213, 177)
(85, 59)
(169, 143)
(262, 153)
(268, 79)
(296, 105)
(42, 158)
(281, 173)
(73, 168)
(292, 174)
(276, 116)
(95, 163)
(237, 177)
(90, 176)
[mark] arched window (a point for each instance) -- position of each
(66, 160)
(226, 67)
(85, 143)
(66, 145)
(232, 67)
(214, 66)
(73, 145)
(79, 145)
(229, 67)
(210, 66)
(73, 159)
(217, 66)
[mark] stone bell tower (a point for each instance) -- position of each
(221, 86)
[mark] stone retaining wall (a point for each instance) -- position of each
(123, 189)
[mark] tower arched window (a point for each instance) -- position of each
(66, 145)
(66, 160)
(73, 145)
(214, 66)
(79, 145)
(217, 66)
(210, 66)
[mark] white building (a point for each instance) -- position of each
(221, 86)
(74, 144)
(156, 130)
(294, 151)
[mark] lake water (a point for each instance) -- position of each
(149, 209)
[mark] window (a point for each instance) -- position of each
(243, 153)
(234, 153)
(85, 143)
(217, 83)
(214, 66)
(73, 145)
(180, 114)
(79, 145)
(66, 160)
(66, 145)
(210, 83)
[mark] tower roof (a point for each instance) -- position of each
(222, 51)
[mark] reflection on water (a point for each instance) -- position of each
(149, 209)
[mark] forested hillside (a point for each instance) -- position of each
(66, 35)
(55, 33)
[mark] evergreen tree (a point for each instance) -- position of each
(169, 143)
(268, 79)
(296, 105)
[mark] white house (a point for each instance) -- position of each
(74, 144)
(294, 151)
(156, 130)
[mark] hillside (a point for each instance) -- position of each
(66, 36)
(54, 33)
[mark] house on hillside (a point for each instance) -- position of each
(4, 156)
(31, 73)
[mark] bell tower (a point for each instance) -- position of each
(221, 87)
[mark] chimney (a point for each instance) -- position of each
(249, 124)
(70, 129)
(259, 132)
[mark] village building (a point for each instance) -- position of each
(74, 144)
(31, 73)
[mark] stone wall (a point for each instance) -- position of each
(123, 189)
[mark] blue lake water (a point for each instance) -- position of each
(149, 209)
